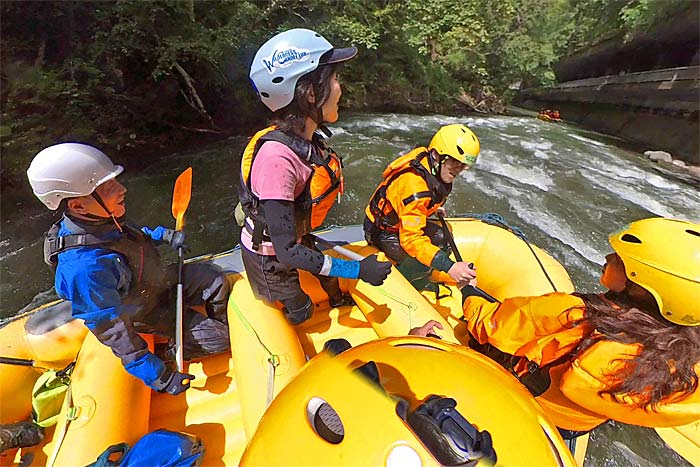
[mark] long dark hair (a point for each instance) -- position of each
(664, 370)
(292, 118)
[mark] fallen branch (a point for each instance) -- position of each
(194, 100)
(187, 128)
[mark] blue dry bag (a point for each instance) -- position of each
(160, 448)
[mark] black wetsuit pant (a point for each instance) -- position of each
(203, 284)
(272, 280)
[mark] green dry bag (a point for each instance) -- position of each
(48, 395)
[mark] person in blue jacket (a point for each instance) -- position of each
(111, 272)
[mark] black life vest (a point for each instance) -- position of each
(320, 190)
(150, 277)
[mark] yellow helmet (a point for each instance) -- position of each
(458, 142)
(663, 256)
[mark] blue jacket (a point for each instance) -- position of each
(98, 280)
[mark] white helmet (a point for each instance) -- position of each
(69, 170)
(285, 58)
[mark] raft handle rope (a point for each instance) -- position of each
(72, 413)
(272, 358)
(493, 218)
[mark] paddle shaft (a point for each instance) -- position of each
(16, 361)
(475, 290)
(179, 358)
(181, 200)
(343, 251)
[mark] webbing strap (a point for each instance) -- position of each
(493, 218)
(272, 359)
(416, 196)
(72, 413)
(257, 236)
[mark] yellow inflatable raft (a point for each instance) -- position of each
(45, 338)
(231, 392)
(329, 416)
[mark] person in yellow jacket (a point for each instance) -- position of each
(631, 354)
(415, 187)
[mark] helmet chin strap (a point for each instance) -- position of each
(437, 171)
(101, 202)
(318, 117)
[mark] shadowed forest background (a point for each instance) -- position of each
(130, 76)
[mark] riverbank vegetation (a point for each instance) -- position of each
(135, 75)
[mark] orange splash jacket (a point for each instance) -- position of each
(407, 196)
(546, 330)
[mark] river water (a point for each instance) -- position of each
(565, 187)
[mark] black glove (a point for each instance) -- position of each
(175, 238)
(374, 271)
(173, 382)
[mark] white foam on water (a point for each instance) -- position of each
(469, 176)
(533, 176)
(10, 254)
(388, 122)
(591, 271)
(622, 173)
(652, 202)
(586, 140)
(535, 145)
(488, 122)
(556, 228)
(660, 182)
(632, 457)
(608, 170)
(537, 148)
(338, 130)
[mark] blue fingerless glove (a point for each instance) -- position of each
(348, 269)
(369, 269)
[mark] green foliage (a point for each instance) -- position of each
(104, 71)
(641, 15)
(596, 20)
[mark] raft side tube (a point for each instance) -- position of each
(51, 338)
(107, 406)
(265, 350)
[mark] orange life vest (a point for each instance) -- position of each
(380, 211)
(321, 189)
(327, 184)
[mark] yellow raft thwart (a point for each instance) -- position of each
(232, 393)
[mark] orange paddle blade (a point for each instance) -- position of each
(181, 197)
